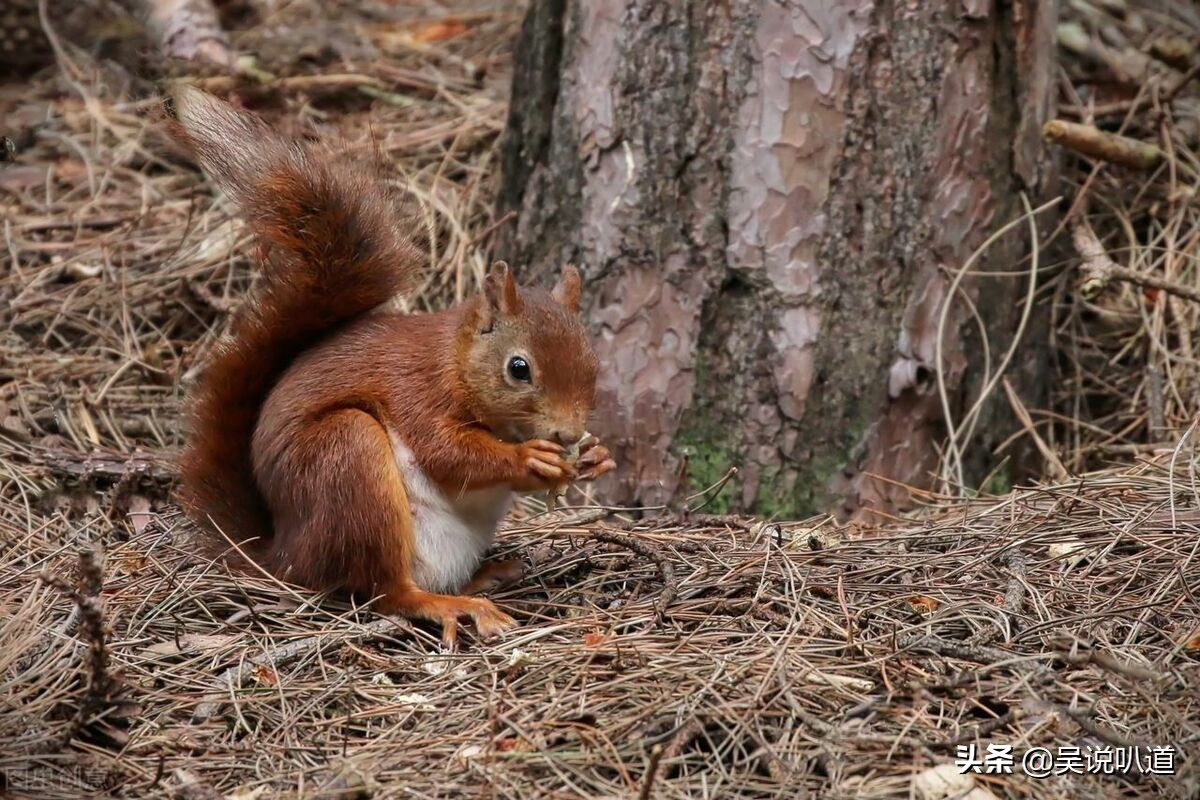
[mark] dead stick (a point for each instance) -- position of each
(363, 84)
(683, 737)
(91, 618)
(327, 82)
(83, 467)
(656, 753)
(1015, 595)
(1095, 143)
(747, 607)
(665, 568)
(1183, 81)
(1084, 720)
(1100, 269)
(1080, 652)
(951, 649)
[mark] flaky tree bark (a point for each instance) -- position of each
(768, 200)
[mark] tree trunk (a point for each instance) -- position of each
(769, 201)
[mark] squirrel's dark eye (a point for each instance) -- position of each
(518, 368)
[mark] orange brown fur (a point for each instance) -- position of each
(295, 418)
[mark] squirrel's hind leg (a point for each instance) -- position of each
(341, 514)
(343, 520)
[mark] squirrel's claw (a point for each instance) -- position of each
(450, 634)
(448, 610)
(603, 468)
(490, 622)
(594, 460)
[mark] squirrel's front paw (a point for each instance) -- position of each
(544, 466)
(594, 459)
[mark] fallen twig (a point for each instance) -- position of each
(1121, 108)
(330, 82)
(100, 684)
(333, 82)
(951, 649)
(1079, 652)
(1092, 142)
(66, 464)
(670, 587)
(1015, 594)
(1084, 720)
(659, 753)
(1179, 85)
(1100, 270)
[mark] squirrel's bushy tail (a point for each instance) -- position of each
(330, 252)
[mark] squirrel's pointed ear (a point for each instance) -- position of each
(568, 288)
(500, 292)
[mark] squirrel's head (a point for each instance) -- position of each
(528, 367)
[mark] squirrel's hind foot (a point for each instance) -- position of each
(490, 622)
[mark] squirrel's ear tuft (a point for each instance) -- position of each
(568, 288)
(500, 292)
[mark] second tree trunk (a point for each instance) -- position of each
(769, 201)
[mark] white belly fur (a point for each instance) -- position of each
(452, 532)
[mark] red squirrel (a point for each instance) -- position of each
(346, 448)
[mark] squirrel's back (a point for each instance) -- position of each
(330, 252)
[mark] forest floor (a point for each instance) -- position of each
(680, 655)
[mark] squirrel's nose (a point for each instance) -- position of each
(565, 437)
